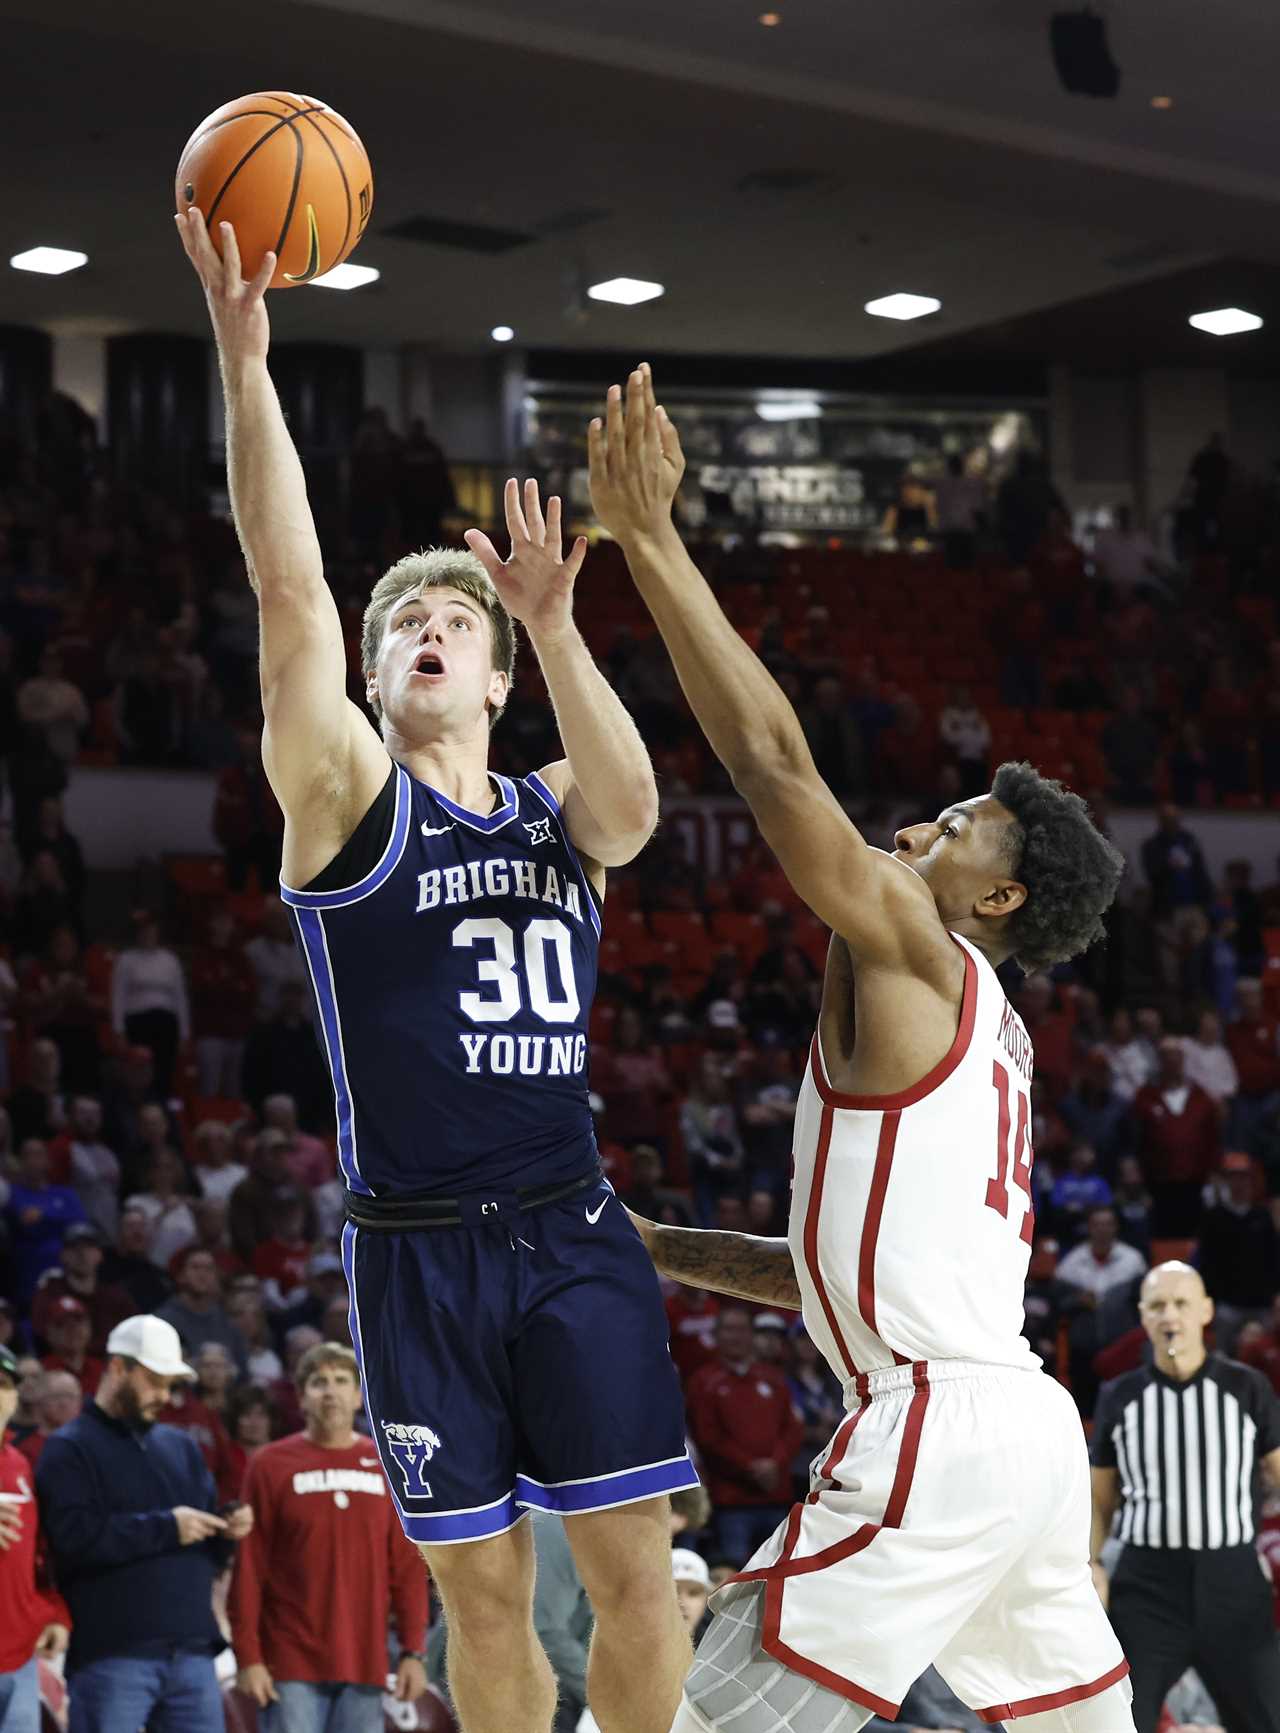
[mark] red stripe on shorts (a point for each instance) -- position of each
(1055, 1699)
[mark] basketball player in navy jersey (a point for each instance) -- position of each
(508, 1322)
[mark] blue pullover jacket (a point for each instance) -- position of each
(107, 1493)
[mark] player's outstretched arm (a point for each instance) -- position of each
(605, 784)
(876, 903)
(745, 1265)
(302, 659)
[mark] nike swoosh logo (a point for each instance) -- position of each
(593, 1216)
(313, 254)
(437, 830)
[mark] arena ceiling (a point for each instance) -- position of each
(774, 179)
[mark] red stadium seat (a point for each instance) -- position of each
(746, 933)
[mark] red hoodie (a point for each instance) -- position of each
(25, 1607)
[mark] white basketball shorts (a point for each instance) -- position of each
(948, 1522)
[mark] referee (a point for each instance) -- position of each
(1177, 1448)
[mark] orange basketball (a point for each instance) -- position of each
(288, 174)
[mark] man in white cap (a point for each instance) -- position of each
(129, 1508)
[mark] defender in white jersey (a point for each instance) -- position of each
(948, 1519)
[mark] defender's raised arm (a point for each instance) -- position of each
(873, 901)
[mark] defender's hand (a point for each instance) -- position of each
(635, 461)
(535, 585)
(237, 310)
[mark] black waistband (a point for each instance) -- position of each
(405, 1212)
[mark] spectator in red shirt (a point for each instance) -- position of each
(33, 1621)
(75, 1276)
(189, 1413)
(310, 1160)
(59, 1398)
(691, 1319)
(745, 1424)
(223, 990)
(280, 1262)
(1253, 1041)
(253, 1420)
(327, 1564)
(1179, 1142)
(1258, 1346)
(68, 1330)
(1051, 1028)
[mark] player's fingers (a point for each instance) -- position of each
(650, 402)
(517, 529)
(533, 512)
(635, 413)
(577, 553)
(266, 270)
(553, 525)
(671, 448)
(230, 255)
(200, 248)
(484, 551)
(616, 450)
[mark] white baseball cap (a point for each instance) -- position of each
(152, 1343)
(689, 1567)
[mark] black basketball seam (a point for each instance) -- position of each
(309, 114)
(244, 114)
(293, 190)
(281, 120)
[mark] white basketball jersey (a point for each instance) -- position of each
(911, 1214)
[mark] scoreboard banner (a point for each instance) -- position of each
(805, 462)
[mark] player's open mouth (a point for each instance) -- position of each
(429, 666)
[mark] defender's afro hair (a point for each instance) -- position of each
(1069, 868)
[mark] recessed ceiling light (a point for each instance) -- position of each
(625, 291)
(1162, 102)
(1225, 321)
(502, 333)
(769, 19)
(788, 409)
(346, 277)
(903, 306)
(49, 261)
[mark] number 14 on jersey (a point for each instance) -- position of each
(1022, 1153)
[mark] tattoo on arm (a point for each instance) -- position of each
(744, 1265)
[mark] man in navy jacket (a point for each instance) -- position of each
(129, 1509)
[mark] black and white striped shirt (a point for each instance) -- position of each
(1187, 1452)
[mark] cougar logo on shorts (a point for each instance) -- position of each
(412, 1448)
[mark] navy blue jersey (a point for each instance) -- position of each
(453, 983)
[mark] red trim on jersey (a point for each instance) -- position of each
(871, 1228)
(811, 1236)
(1055, 1699)
(927, 1084)
(773, 1645)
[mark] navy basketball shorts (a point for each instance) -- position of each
(516, 1364)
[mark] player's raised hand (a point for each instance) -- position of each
(237, 309)
(635, 461)
(535, 585)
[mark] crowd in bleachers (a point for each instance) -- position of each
(166, 1133)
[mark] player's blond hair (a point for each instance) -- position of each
(432, 569)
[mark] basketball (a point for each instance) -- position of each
(288, 174)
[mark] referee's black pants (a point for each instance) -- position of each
(1173, 1609)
